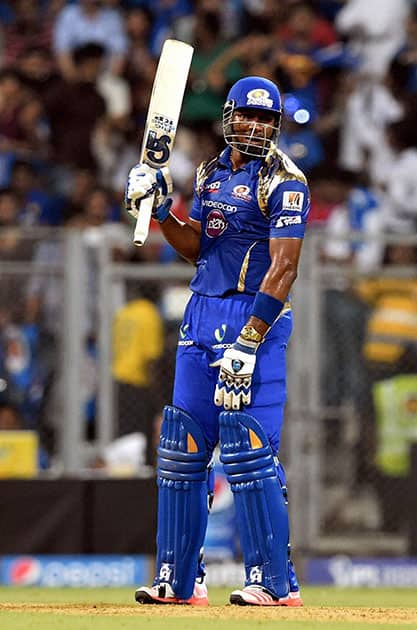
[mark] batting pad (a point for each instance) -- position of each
(182, 500)
(260, 505)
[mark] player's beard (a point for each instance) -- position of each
(250, 144)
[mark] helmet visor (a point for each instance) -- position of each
(251, 137)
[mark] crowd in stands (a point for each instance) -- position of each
(75, 82)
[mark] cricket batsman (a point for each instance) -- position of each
(244, 236)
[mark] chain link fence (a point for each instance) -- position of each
(352, 407)
(87, 356)
(41, 358)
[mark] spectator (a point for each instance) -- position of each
(344, 314)
(28, 29)
(375, 29)
(204, 101)
(83, 183)
(36, 69)
(36, 206)
(402, 77)
(400, 202)
(24, 370)
(13, 247)
(141, 65)
(137, 345)
(166, 16)
(369, 108)
(389, 350)
(75, 110)
(86, 22)
(16, 121)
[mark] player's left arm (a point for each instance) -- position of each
(278, 280)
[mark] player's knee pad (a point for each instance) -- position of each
(260, 506)
(182, 501)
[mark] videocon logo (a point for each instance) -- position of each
(183, 330)
(219, 333)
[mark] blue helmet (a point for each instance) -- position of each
(252, 93)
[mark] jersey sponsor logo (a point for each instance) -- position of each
(292, 200)
(242, 192)
(216, 223)
(221, 346)
(220, 332)
(212, 187)
(259, 97)
(186, 342)
(183, 330)
(219, 205)
(286, 221)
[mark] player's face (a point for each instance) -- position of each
(253, 126)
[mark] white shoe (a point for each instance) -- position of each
(163, 594)
(260, 596)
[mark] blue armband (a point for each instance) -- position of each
(266, 307)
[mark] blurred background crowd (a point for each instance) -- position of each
(76, 78)
(75, 83)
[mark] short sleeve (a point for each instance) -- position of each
(195, 212)
(289, 205)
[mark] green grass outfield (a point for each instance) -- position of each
(29, 608)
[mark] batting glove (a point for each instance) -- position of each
(233, 389)
(144, 181)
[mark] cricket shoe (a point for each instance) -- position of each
(163, 594)
(296, 597)
(260, 596)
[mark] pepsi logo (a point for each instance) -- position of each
(216, 223)
(25, 571)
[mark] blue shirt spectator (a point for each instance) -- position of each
(86, 22)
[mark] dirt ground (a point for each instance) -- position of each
(309, 613)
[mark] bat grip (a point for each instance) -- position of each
(143, 221)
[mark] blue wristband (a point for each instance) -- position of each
(162, 212)
(266, 307)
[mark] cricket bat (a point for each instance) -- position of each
(162, 119)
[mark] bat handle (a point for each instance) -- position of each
(143, 221)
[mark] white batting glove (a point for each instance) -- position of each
(234, 382)
(144, 181)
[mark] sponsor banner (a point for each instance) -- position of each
(348, 571)
(76, 571)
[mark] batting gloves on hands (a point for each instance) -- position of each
(144, 181)
(234, 382)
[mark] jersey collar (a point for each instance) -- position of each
(251, 167)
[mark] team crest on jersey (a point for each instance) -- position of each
(259, 97)
(292, 200)
(242, 192)
(216, 223)
(212, 187)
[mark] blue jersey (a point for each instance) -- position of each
(239, 212)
